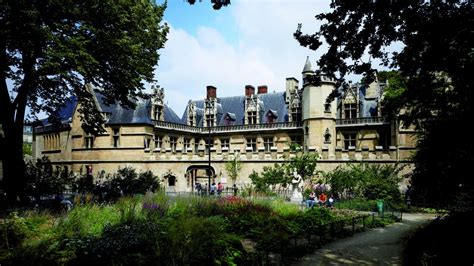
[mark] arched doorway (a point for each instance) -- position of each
(199, 173)
(170, 181)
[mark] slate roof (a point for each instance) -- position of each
(141, 114)
(367, 107)
(235, 107)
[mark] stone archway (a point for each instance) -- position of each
(170, 181)
(199, 173)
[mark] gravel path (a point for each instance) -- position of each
(380, 246)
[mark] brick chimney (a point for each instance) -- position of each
(249, 90)
(211, 92)
(262, 89)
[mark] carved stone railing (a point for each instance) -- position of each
(377, 120)
(234, 128)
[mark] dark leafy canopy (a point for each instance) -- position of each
(53, 47)
(436, 64)
(50, 49)
(216, 4)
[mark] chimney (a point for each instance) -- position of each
(249, 90)
(211, 92)
(262, 89)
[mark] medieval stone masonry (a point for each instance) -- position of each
(257, 128)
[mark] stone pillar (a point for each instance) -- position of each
(338, 153)
(351, 152)
(365, 152)
(325, 152)
(378, 152)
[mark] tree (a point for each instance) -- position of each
(233, 168)
(436, 63)
(50, 49)
(216, 4)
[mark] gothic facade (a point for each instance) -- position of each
(256, 127)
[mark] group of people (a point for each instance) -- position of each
(322, 200)
(214, 189)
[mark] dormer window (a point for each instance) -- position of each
(89, 141)
(271, 116)
(229, 119)
(157, 112)
(252, 117)
(350, 110)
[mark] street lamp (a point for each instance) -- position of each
(208, 105)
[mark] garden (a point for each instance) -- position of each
(127, 219)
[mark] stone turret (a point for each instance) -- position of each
(319, 117)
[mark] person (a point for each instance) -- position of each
(220, 187)
(198, 188)
(311, 201)
(213, 188)
(234, 187)
(322, 199)
(331, 201)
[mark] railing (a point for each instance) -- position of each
(254, 127)
(362, 120)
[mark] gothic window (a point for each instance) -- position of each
(146, 143)
(268, 143)
(225, 144)
(252, 117)
(252, 144)
(350, 110)
(210, 120)
(186, 144)
(89, 141)
(158, 141)
(173, 143)
(295, 114)
(349, 140)
(115, 137)
(157, 112)
(209, 145)
(327, 136)
(296, 141)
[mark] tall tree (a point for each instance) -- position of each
(436, 61)
(50, 49)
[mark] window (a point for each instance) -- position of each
(158, 141)
(327, 107)
(186, 144)
(349, 140)
(89, 141)
(209, 144)
(296, 141)
(196, 146)
(225, 144)
(295, 114)
(116, 137)
(146, 143)
(327, 136)
(173, 143)
(252, 117)
(252, 144)
(268, 143)
(229, 120)
(191, 120)
(271, 117)
(350, 110)
(157, 112)
(210, 120)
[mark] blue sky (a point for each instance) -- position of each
(248, 42)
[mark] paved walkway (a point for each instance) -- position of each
(380, 246)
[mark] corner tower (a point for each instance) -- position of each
(319, 117)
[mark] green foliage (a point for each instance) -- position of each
(357, 204)
(49, 51)
(43, 180)
(27, 149)
(233, 168)
(369, 181)
(304, 164)
(433, 87)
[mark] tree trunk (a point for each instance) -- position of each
(13, 165)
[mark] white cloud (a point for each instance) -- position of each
(266, 52)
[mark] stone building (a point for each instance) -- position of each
(256, 127)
